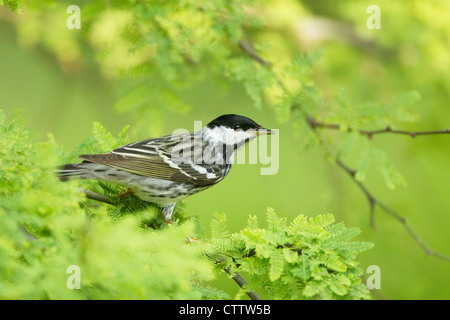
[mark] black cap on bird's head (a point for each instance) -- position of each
(237, 122)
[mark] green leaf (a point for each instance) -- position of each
(276, 263)
(339, 233)
(104, 138)
(122, 137)
(254, 77)
(275, 223)
(283, 107)
(332, 262)
(302, 272)
(324, 220)
(290, 255)
(134, 99)
(337, 287)
(220, 236)
(252, 222)
(313, 288)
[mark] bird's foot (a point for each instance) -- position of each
(168, 221)
(190, 240)
(125, 193)
(167, 213)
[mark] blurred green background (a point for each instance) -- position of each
(60, 83)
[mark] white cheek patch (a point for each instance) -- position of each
(220, 140)
(228, 136)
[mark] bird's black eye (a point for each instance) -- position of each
(243, 126)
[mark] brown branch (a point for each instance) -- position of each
(242, 282)
(370, 133)
(236, 276)
(252, 53)
(28, 235)
(95, 196)
(374, 202)
(334, 126)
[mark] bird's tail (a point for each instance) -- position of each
(76, 170)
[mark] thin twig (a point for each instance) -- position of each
(373, 201)
(242, 282)
(236, 276)
(370, 133)
(370, 198)
(28, 235)
(95, 196)
(252, 53)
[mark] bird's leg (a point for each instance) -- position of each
(167, 213)
(190, 240)
(125, 193)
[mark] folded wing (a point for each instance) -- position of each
(155, 158)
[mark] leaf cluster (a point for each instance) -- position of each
(47, 226)
(309, 258)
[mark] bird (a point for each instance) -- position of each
(168, 169)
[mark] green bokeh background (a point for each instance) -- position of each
(415, 55)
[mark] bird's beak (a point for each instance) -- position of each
(264, 131)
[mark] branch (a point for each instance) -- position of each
(236, 277)
(95, 196)
(251, 52)
(28, 235)
(242, 282)
(370, 133)
(373, 202)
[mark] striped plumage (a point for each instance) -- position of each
(168, 169)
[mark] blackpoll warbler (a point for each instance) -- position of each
(168, 169)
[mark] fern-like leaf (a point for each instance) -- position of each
(276, 263)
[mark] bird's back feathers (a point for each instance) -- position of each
(178, 158)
